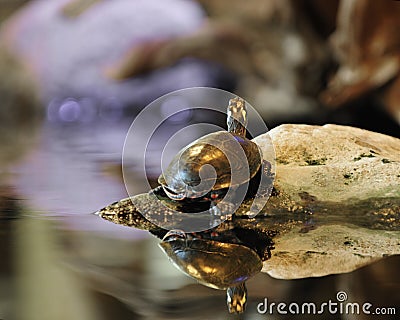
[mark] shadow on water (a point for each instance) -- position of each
(58, 261)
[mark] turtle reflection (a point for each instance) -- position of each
(215, 264)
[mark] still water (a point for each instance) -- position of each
(59, 261)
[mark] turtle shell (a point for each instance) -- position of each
(225, 152)
(215, 264)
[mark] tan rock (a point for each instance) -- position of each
(335, 163)
(337, 193)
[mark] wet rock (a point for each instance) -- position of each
(340, 188)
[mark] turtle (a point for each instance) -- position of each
(223, 257)
(189, 176)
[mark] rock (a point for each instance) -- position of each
(335, 163)
(340, 188)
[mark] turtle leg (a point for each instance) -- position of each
(264, 189)
(236, 298)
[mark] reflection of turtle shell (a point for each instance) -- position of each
(221, 151)
(214, 264)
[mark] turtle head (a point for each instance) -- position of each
(237, 116)
(178, 193)
(236, 298)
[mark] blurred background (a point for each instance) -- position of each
(75, 73)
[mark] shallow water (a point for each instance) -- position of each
(59, 261)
